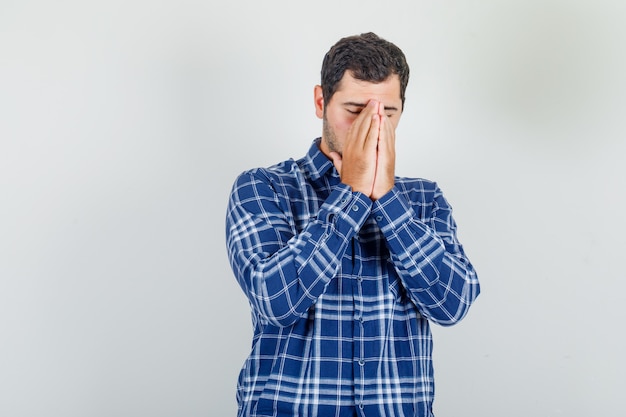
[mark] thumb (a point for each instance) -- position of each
(336, 158)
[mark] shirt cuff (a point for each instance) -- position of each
(391, 211)
(345, 210)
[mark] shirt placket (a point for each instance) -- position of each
(359, 359)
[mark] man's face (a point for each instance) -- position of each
(348, 101)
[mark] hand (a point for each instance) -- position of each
(357, 165)
(386, 157)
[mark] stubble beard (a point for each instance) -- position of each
(329, 137)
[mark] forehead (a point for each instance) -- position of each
(387, 91)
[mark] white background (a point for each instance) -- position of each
(124, 123)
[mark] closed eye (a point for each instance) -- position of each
(356, 112)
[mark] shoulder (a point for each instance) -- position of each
(270, 176)
(278, 171)
(420, 191)
(417, 185)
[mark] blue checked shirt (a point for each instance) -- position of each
(342, 290)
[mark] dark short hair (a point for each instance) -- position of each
(368, 58)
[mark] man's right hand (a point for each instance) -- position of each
(357, 165)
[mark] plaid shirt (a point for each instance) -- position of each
(342, 290)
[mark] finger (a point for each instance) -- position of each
(386, 146)
(373, 133)
(362, 124)
(385, 164)
(387, 133)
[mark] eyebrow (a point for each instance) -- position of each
(362, 105)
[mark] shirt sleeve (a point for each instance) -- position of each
(427, 255)
(283, 271)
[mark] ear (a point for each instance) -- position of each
(318, 98)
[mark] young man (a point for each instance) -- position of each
(345, 264)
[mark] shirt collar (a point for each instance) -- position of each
(317, 163)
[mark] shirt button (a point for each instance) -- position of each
(361, 362)
(343, 201)
(355, 208)
(361, 406)
(379, 218)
